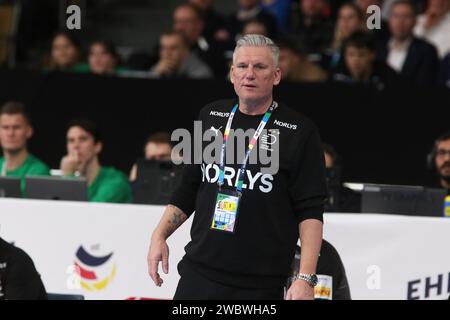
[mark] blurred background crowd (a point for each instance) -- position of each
(320, 40)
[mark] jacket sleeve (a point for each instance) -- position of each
(308, 184)
(427, 73)
(23, 281)
(184, 197)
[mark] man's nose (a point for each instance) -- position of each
(250, 73)
(76, 146)
(178, 26)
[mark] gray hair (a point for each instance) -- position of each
(256, 40)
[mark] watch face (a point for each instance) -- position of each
(314, 280)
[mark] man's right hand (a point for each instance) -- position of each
(165, 67)
(158, 252)
(172, 218)
(70, 164)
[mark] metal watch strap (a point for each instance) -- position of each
(311, 279)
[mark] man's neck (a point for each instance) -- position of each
(401, 41)
(91, 171)
(364, 76)
(310, 19)
(15, 159)
(445, 184)
(255, 107)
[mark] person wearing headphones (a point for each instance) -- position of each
(439, 161)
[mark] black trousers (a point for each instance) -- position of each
(194, 286)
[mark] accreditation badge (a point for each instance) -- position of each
(225, 211)
(324, 288)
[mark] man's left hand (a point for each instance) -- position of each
(300, 290)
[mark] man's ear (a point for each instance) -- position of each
(30, 132)
(277, 79)
(232, 74)
(98, 147)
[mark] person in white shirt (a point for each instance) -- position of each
(414, 59)
(434, 25)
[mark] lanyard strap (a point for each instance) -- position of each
(252, 143)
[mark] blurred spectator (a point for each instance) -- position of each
(188, 20)
(65, 54)
(19, 279)
(439, 161)
(103, 58)
(15, 131)
(434, 25)
(313, 29)
(360, 64)
(349, 20)
(364, 4)
(280, 9)
(214, 22)
(105, 184)
(444, 72)
(249, 10)
(157, 147)
(177, 61)
(333, 8)
(386, 8)
(414, 59)
(295, 65)
(340, 198)
(255, 26)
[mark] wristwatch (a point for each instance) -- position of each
(311, 279)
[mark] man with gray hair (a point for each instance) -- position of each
(248, 220)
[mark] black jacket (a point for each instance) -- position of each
(314, 38)
(444, 72)
(259, 252)
(382, 76)
(19, 279)
(421, 64)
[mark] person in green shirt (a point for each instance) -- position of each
(104, 60)
(65, 54)
(105, 184)
(15, 131)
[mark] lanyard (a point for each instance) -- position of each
(252, 143)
